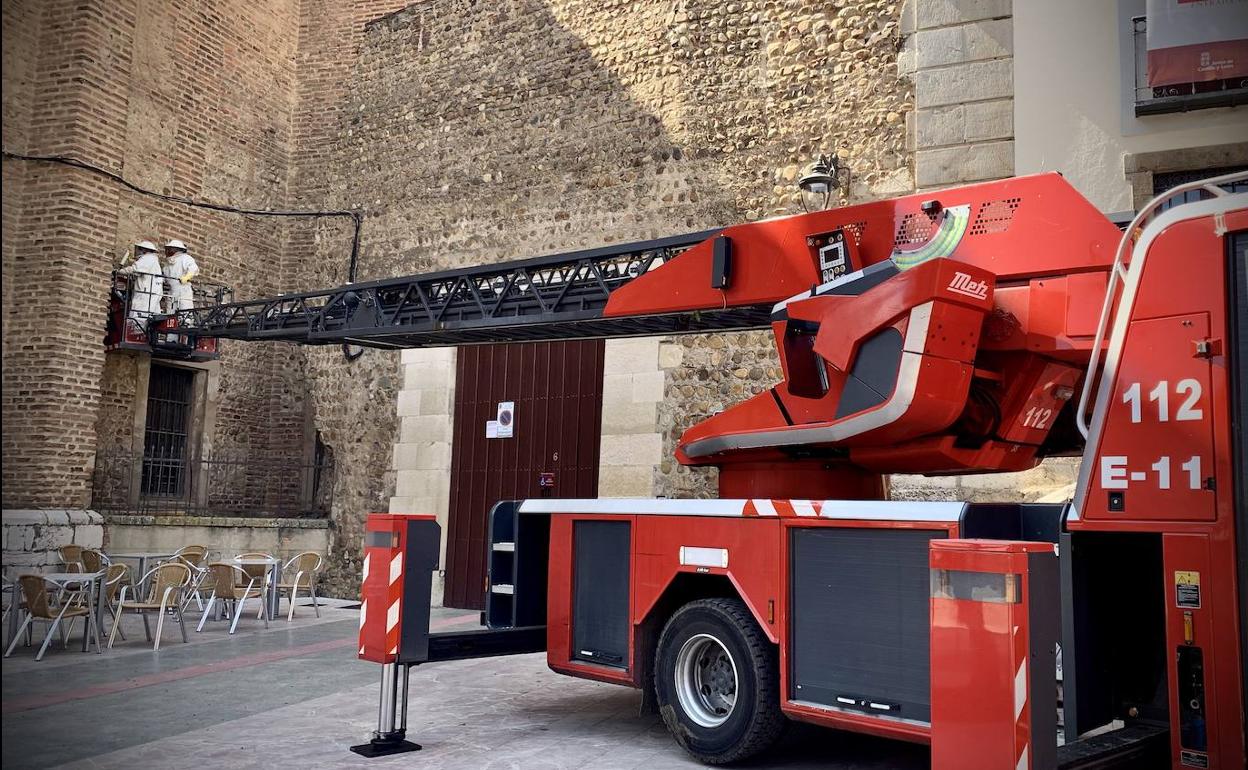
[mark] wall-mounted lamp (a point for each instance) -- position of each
(818, 184)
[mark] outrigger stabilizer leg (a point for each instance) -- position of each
(388, 738)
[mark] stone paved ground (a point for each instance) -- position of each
(295, 696)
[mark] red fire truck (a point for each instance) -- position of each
(971, 330)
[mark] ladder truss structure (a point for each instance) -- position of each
(560, 296)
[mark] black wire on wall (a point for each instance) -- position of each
(357, 218)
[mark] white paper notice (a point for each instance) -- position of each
(506, 418)
(491, 429)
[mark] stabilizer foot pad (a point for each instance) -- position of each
(384, 748)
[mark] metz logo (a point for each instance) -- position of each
(965, 285)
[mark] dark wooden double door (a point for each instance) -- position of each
(557, 391)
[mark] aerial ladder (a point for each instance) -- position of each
(970, 330)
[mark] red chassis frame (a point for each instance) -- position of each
(755, 534)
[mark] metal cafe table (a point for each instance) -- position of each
(142, 557)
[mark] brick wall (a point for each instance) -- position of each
(191, 100)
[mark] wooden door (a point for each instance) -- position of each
(557, 390)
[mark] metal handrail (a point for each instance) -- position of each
(1121, 271)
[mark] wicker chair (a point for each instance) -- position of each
(306, 566)
(193, 556)
(71, 557)
(258, 571)
(93, 560)
(166, 583)
(40, 606)
(230, 583)
(116, 578)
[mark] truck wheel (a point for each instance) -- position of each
(717, 681)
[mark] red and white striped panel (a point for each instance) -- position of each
(394, 610)
(809, 508)
(381, 605)
(364, 600)
(1022, 706)
(868, 510)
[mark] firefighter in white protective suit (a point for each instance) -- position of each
(180, 268)
(147, 283)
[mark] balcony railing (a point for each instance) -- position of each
(1179, 97)
(250, 484)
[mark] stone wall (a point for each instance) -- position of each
(221, 535)
(467, 133)
(607, 122)
(961, 55)
(31, 538)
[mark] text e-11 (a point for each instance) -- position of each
(1116, 472)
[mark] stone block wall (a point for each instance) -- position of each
(31, 538)
(633, 384)
(223, 535)
(960, 53)
(422, 454)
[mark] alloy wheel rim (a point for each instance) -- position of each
(706, 680)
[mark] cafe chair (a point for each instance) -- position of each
(41, 606)
(230, 583)
(302, 571)
(166, 583)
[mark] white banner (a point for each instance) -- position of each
(1192, 41)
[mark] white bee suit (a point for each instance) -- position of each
(179, 271)
(147, 286)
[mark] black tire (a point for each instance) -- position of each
(750, 725)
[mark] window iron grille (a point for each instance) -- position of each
(236, 483)
(170, 394)
(1170, 180)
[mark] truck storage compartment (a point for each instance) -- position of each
(860, 627)
(517, 564)
(600, 584)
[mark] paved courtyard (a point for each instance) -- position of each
(296, 696)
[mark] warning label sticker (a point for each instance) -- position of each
(1194, 758)
(1187, 589)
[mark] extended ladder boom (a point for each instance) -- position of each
(553, 297)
